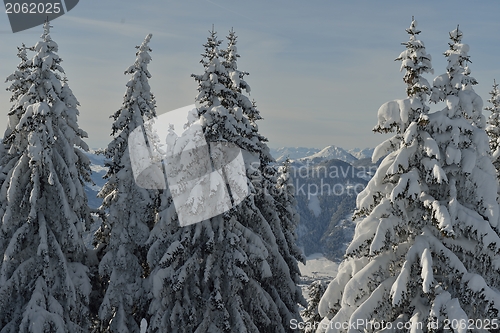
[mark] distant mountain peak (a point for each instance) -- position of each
(361, 153)
(331, 152)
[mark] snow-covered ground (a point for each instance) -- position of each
(317, 267)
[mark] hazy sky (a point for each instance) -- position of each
(319, 70)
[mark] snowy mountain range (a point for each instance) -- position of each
(315, 155)
(328, 153)
(294, 153)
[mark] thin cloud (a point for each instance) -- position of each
(120, 28)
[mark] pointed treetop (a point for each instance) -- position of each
(231, 39)
(46, 31)
(143, 58)
(211, 48)
(456, 35)
(457, 54)
(232, 35)
(412, 30)
(145, 44)
(231, 53)
(415, 62)
(213, 37)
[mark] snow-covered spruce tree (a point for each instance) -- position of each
(426, 251)
(493, 126)
(228, 273)
(44, 283)
(311, 316)
(279, 193)
(130, 209)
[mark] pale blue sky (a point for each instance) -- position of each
(319, 70)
